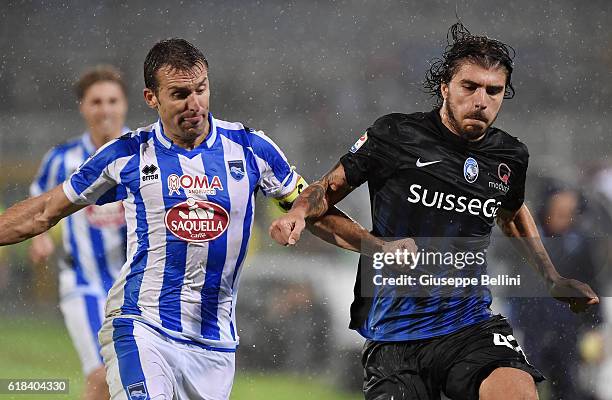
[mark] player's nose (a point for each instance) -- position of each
(193, 103)
(480, 99)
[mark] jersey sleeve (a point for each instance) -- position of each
(50, 173)
(277, 178)
(96, 180)
(374, 155)
(515, 197)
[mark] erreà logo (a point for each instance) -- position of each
(194, 185)
(197, 220)
(149, 172)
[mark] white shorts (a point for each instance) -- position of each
(143, 364)
(83, 316)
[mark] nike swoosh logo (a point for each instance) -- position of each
(424, 164)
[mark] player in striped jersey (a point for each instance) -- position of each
(94, 239)
(188, 184)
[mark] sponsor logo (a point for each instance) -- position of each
(197, 220)
(470, 170)
(499, 186)
(503, 173)
(149, 172)
(236, 168)
(137, 391)
(109, 215)
(194, 185)
(424, 164)
(362, 139)
(452, 202)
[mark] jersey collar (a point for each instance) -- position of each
(167, 143)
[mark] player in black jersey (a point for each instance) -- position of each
(446, 173)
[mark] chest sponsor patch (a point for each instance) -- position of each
(194, 185)
(197, 220)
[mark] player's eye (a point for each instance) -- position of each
(492, 91)
(469, 87)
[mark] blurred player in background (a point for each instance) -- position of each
(444, 173)
(188, 184)
(94, 238)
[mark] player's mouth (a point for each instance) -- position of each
(193, 121)
(477, 117)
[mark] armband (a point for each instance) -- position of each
(285, 202)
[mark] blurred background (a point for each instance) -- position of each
(314, 75)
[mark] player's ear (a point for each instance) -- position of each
(150, 98)
(444, 90)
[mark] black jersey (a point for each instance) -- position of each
(425, 182)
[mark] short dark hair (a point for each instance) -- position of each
(175, 53)
(99, 73)
(463, 46)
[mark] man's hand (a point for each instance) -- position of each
(287, 229)
(577, 294)
(41, 249)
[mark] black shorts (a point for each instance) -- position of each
(455, 364)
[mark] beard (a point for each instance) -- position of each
(471, 134)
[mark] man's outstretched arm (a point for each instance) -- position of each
(520, 226)
(312, 203)
(315, 209)
(34, 216)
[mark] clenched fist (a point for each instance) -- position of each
(287, 229)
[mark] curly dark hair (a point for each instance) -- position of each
(463, 46)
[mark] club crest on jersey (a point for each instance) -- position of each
(470, 170)
(193, 185)
(359, 142)
(137, 391)
(197, 220)
(236, 168)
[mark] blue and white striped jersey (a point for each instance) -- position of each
(94, 239)
(189, 215)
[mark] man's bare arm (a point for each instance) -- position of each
(320, 196)
(312, 203)
(521, 227)
(315, 209)
(337, 228)
(34, 216)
